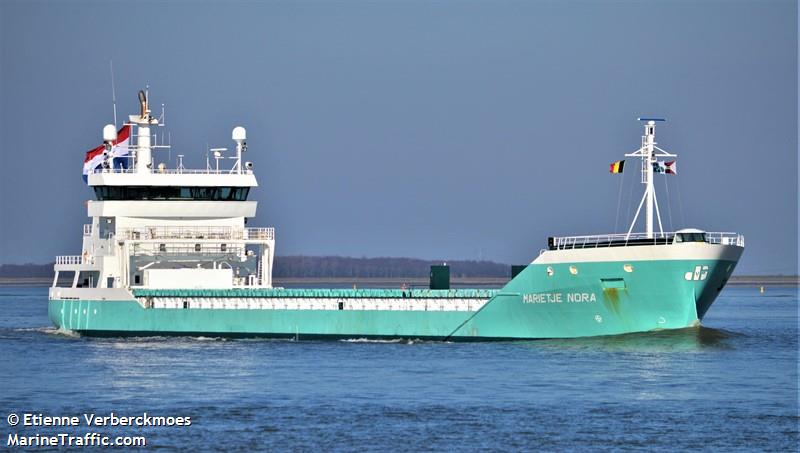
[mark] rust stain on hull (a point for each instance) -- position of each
(611, 299)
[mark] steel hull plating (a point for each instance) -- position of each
(551, 298)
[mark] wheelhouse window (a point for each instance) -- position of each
(690, 237)
(171, 193)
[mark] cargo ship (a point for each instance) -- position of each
(169, 252)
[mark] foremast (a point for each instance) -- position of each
(649, 153)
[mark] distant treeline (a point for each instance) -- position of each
(26, 270)
(327, 267)
(343, 267)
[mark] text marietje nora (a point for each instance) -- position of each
(111, 419)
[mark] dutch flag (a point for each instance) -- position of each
(119, 152)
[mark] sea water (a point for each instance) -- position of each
(731, 384)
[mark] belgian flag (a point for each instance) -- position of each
(617, 166)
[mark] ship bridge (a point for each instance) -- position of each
(172, 193)
(157, 225)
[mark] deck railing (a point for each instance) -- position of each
(87, 229)
(267, 233)
(151, 249)
(622, 240)
(74, 260)
(196, 232)
(177, 171)
(725, 238)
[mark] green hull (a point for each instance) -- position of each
(595, 298)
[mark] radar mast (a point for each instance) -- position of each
(649, 154)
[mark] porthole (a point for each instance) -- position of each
(549, 271)
(573, 270)
(628, 268)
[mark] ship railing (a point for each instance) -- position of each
(74, 260)
(193, 232)
(177, 171)
(87, 229)
(622, 240)
(186, 249)
(181, 232)
(726, 238)
(267, 233)
(196, 232)
(608, 240)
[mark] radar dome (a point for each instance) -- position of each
(109, 133)
(239, 133)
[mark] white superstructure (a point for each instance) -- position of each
(159, 227)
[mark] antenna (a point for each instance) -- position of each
(218, 155)
(113, 91)
(239, 135)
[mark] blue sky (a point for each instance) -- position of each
(441, 130)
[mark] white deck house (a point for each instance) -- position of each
(159, 227)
